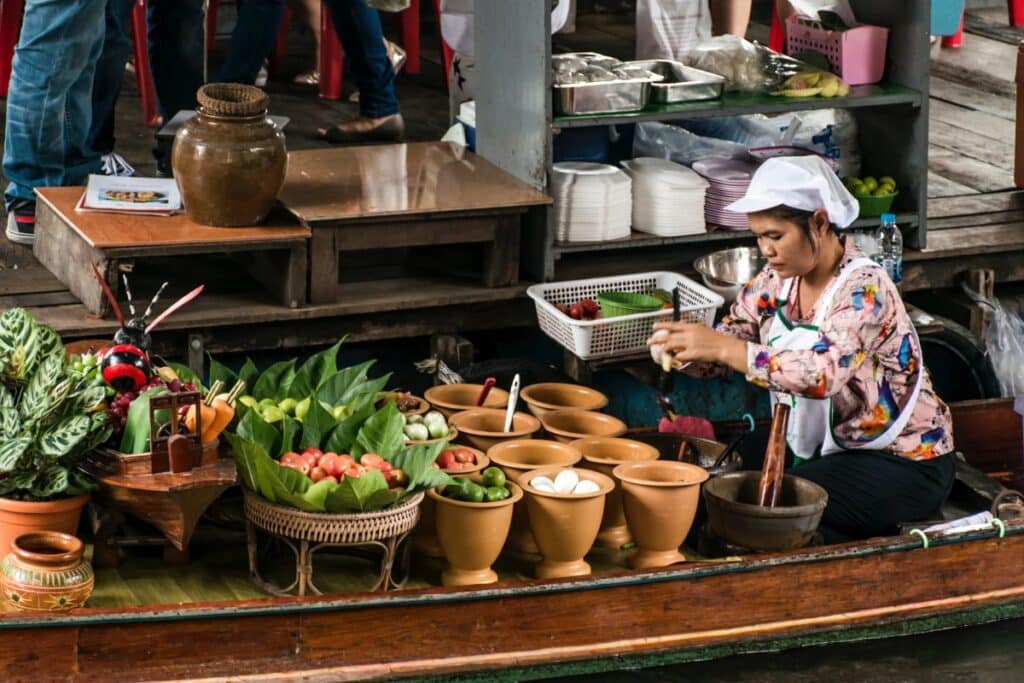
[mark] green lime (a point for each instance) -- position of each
(493, 476)
(474, 493)
(496, 493)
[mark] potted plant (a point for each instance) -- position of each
(52, 413)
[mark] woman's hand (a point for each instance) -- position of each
(691, 342)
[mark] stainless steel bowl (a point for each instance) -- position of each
(728, 270)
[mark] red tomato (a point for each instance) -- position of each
(576, 312)
(371, 460)
(447, 459)
(464, 455)
(316, 474)
(590, 308)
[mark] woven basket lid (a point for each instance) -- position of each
(232, 99)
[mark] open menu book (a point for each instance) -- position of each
(118, 194)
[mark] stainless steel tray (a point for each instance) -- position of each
(608, 97)
(680, 83)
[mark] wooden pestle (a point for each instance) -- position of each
(769, 492)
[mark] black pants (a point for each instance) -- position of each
(869, 492)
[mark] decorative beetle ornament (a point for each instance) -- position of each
(126, 365)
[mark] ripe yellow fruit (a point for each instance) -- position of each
(887, 180)
(870, 183)
(882, 191)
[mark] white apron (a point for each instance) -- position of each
(810, 420)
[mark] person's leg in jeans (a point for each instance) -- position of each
(362, 38)
(176, 58)
(49, 104)
(252, 40)
(117, 46)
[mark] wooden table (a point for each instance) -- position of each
(68, 241)
(407, 195)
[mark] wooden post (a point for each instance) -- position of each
(982, 281)
(769, 492)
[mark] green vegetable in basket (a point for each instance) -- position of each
(614, 304)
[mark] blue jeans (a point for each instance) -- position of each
(49, 103)
(362, 38)
(175, 39)
(252, 40)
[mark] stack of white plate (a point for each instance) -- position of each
(668, 198)
(729, 179)
(593, 202)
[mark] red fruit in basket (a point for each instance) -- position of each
(465, 456)
(385, 466)
(576, 312)
(590, 308)
(331, 464)
(290, 456)
(563, 308)
(345, 461)
(316, 474)
(447, 459)
(396, 478)
(370, 460)
(316, 453)
(299, 465)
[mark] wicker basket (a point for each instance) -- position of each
(320, 527)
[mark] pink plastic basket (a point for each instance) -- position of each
(856, 54)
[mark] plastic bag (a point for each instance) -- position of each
(1004, 344)
(663, 141)
(667, 29)
(737, 60)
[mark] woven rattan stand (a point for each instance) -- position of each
(307, 532)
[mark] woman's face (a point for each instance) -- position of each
(787, 247)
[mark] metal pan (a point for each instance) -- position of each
(680, 83)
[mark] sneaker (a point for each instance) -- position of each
(262, 76)
(115, 164)
(21, 223)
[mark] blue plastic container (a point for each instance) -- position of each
(592, 143)
(946, 15)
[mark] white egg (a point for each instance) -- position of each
(566, 481)
(585, 486)
(543, 484)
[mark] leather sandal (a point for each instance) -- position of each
(386, 129)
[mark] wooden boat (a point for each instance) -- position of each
(205, 620)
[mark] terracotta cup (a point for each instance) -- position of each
(570, 424)
(547, 396)
(518, 457)
(660, 500)
(472, 535)
(46, 572)
(565, 524)
(425, 538)
(484, 428)
(603, 454)
(455, 398)
(18, 517)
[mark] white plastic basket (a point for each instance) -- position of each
(622, 335)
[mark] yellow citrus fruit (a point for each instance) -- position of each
(887, 180)
(881, 192)
(870, 183)
(861, 191)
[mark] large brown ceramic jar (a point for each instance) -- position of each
(229, 160)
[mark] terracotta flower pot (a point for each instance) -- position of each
(570, 424)
(425, 538)
(564, 524)
(483, 428)
(604, 454)
(547, 396)
(660, 500)
(229, 160)
(518, 457)
(46, 572)
(472, 535)
(18, 517)
(455, 398)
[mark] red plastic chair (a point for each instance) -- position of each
(10, 28)
(1015, 8)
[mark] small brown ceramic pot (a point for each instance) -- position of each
(547, 396)
(46, 572)
(604, 454)
(483, 428)
(570, 424)
(660, 500)
(425, 538)
(229, 160)
(564, 524)
(455, 398)
(472, 535)
(518, 457)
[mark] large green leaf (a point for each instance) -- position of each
(221, 372)
(244, 452)
(36, 399)
(50, 482)
(362, 494)
(291, 429)
(338, 388)
(343, 437)
(275, 382)
(382, 433)
(50, 343)
(16, 326)
(315, 426)
(314, 372)
(135, 438)
(88, 399)
(416, 463)
(285, 485)
(255, 428)
(11, 451)
(62, 438)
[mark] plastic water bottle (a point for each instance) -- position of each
(890, 248)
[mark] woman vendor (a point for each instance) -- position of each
(824, 329)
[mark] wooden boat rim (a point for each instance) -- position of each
(440, 595)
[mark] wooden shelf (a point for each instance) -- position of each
(735, 104)
(640, 240)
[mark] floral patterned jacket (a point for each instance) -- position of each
(865, 360)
